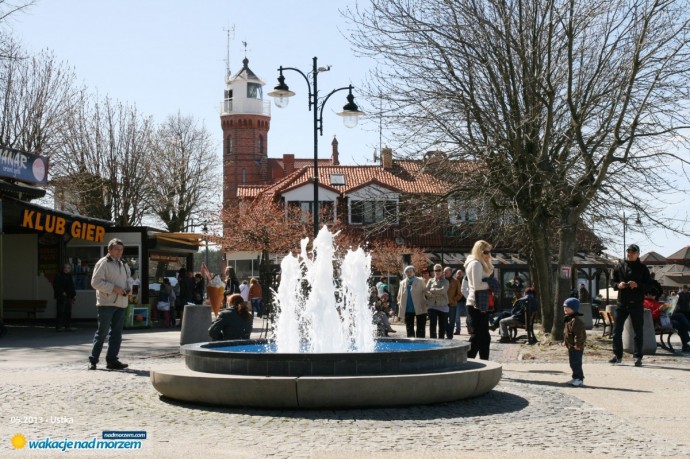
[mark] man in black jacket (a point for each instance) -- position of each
(632, 280)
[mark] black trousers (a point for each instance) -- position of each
(480, 339)
(410, 318)
(63, 309)
(636, 313)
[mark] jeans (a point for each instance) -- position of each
(575, 359)
(440, 317)
(459, 312)
(452, 311)
(111, 319)
(682, 326)
(505, 325)
(410, 318)
(63, 317)
(480, 339)
(257, 307)
(636, 313)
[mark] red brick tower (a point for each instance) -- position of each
(245, 119)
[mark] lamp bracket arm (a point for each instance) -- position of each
(323, 104)
(312, 96)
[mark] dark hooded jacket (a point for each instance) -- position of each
(627, 271)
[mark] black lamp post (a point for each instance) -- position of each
(350, 114)
(204, 230)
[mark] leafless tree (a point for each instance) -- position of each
(555, 100)
(103, 168)
(36, 93)
(185, 179)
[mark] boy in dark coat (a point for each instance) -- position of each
(574, 337)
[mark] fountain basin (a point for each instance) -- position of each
(392, 357)
(436, 371)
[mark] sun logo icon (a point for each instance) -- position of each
(18, 441)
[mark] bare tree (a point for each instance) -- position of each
(103, 168)
(36, 94)
(555, 100)
(185, 174)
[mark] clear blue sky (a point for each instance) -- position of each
(169, 55)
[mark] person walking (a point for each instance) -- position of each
(64, 293)
(632, 280)
(256, 296)
(478, 269)
(437, 291)
(453, 297)
(109, 280)
(462, 300)
(412, 303)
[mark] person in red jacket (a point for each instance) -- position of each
(678, 320)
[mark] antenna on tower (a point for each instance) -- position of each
(231, 35)
(244, 43)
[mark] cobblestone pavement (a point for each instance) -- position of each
(623, 412)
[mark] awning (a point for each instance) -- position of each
(183, 238)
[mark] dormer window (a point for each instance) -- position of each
(337, 179)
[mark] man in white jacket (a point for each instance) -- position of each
(109, 279)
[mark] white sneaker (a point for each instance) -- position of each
(577, 383)
(570, 383)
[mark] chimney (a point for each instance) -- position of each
(387, 158)
(334, 155)
(288, 164)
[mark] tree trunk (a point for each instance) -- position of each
(566, 254)
(539, 258)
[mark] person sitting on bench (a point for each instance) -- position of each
(517, 315)
(678, 320)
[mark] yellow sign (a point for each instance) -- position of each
(56, 224)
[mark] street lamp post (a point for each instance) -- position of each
(204, 230)
(350, 114)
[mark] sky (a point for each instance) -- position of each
(169, 56)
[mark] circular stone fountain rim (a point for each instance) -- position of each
(205, 348)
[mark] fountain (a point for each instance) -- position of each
(324, 354)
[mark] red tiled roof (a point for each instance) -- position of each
(407, 176)
(250, 191)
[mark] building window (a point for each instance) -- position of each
(367, 212)
(459, 213)
(261, 144)
(228, 145)
(306, 209)
(244, 176)
(254, 91)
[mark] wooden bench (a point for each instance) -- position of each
(606, 322)
(528, 326)
(31, 307)
(665, 333)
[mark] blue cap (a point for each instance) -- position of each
(572, 303)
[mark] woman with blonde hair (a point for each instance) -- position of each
(478, 269)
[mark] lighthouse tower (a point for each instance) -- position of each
(245, 119)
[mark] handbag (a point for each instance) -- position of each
(665, 321)
(163, 306)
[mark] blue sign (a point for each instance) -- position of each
(22, 166)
